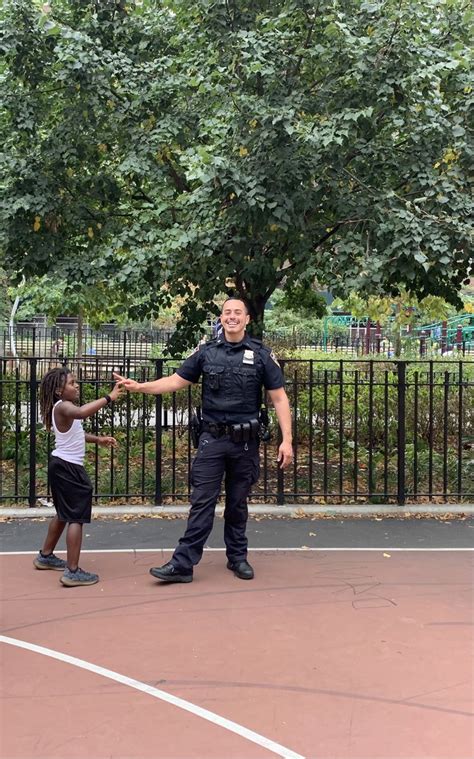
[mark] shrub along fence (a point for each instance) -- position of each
(375, 431)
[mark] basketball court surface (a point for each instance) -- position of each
(354, 641)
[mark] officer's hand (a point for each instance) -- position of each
(285, 455)
(129, 384)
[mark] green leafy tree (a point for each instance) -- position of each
(192, 148)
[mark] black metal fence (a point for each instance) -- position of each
(112, 343)
(367, 430)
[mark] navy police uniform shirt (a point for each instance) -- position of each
(233, 375)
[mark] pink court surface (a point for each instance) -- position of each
(326, 654)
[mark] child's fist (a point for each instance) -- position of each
(108, 442)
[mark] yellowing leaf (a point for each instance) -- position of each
(387, 555)
(37, 224)
(90, 232)
(243, 152)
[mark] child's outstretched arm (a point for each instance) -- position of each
(68, 410)
(106, 440)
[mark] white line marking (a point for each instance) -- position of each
(251, 550)
(216, 719)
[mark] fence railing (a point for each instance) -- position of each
(112, 343)
(366, 430)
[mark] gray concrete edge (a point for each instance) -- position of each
(296, 511)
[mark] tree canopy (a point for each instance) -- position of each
(160, 149)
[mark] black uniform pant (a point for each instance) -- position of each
(239, 464)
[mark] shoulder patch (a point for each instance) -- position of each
(274, 358)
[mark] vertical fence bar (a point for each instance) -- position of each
(144, 408)
(127, 438)
(95, 428)
(460, 429)
(173, 444)
(32, 415)
(110, 410)
(2, 426)
(341, 427)
(325, 435)
(371, 429)
(415, 437)
(310, 430)
(445, 432)
(385, 434)
(430, 430)
(280, 474)
(356, 432)
(295, 432)
(401, 432)
(158, 436)
(124, 346)
(189, 452)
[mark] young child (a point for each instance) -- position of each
(71, 487)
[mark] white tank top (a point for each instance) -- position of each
(70, 445)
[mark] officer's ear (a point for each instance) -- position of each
(247, 319)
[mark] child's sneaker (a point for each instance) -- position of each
(49, 562)
(78, 577)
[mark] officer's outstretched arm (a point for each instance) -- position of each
(155, 387)
(282, 407)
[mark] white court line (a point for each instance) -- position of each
(382, 549)
(216, 719)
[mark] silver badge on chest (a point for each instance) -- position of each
(248, 357)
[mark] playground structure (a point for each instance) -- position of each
(454, 334)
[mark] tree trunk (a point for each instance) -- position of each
(256, 304)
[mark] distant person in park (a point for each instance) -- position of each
(234, 368)
(71, 487)
(57, 349)
(217, 327)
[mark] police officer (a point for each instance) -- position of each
(234, 368)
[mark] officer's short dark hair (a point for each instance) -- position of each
(237, 297)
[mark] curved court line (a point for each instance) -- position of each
(198, 711)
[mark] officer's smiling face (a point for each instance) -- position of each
(234, 319)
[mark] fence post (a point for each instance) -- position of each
(280, 473)
(401, 431)
(368, 327)
(444, 336)
(158, 436)
(32, 403)
(459, 337)
(423, 344)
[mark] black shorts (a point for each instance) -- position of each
(71, 489)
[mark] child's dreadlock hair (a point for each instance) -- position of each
(50, 392)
